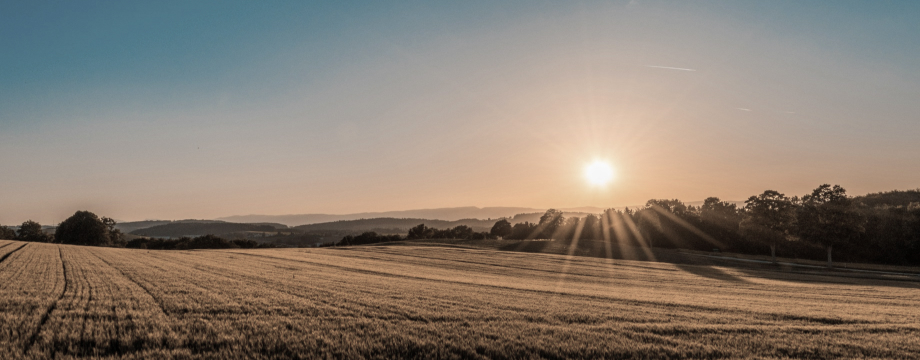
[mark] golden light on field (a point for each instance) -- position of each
(599, 173)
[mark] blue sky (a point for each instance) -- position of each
(206, 109)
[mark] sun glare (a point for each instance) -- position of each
(599, 173)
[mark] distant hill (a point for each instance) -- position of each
(128, 227)
(179, 229)
(402, 225)
(393, 225)
(445, 214)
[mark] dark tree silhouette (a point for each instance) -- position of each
(115, 235)
(768, 219)
(32, 231)
(420, 231)
(724, 215)
(461, 232)
(649, 224)
(721, 220)
(522, 231)
(828, 217)
(7, 233)
(591, 228)
(551, 221)
(501, 228)
(673, 205)
(84, 228)
(200, 242)
(368, 237)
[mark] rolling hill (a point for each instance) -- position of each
(446, 214)
(179, 229)
(393, 225)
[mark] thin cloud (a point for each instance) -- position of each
(743, 109)
(669, 68)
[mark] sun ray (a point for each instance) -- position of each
(643, 244)
(687, 226)
(573, 246)
(608, 247)
(615, 223)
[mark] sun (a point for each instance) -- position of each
(599, 173)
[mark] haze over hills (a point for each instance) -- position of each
(394, 225)
(446, 214)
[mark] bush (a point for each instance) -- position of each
(7, 233)
(32, 231)
(85, 228)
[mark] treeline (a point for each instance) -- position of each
(880, 228)
(824, 222)
(368, 237)
(458, 232)
(199, 242)
(421, 231)
(85, 228)
(82, 228)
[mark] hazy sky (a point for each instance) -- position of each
(204, 109)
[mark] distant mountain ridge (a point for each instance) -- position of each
(445, 214)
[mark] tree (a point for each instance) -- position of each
(720, 213)
(768, 218)
(420, 231)
(461, 232)
(551, 221)
(7, 233)
(673, 206)
(115, 235)
(829, 217)
(501, 228)
(591, 228)
(669, 223)
(83, 228)
(649, 224)
(32, 231)
(568, 229)
(522, 231)
(720, 219)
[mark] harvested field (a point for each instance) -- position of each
(433, 302)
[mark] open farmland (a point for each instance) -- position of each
(432, 302)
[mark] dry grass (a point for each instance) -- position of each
(433, 302)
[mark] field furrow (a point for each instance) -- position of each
(5, 243)
(99, 313)
(8, 250)
(32, 281)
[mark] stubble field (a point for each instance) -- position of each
(432, 302)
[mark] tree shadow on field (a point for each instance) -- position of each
(824, 277)
(711, 273)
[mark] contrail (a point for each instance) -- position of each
(669, 68)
